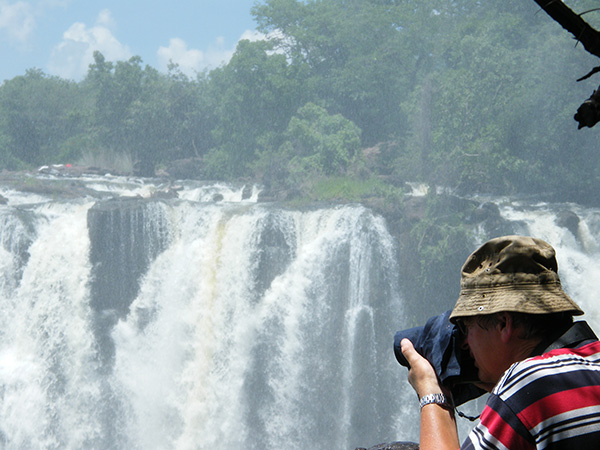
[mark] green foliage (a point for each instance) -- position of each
(255, 94)
(474, 96)
(320, 143)
(37, 114)
(439, 240)
(219, 165)
(349, 189)
(352, 54)
(7, 160)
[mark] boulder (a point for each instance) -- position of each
(569, 220)
(393, 446)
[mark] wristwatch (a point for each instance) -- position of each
(439, 399)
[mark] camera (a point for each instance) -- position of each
(439, 341)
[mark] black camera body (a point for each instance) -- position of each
(439, 341)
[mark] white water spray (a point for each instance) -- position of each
(47, 352)
(209, 360)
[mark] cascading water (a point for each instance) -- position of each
(213, 355)
(49, 388)
(574, 232)
(247, 325)
(211, 321)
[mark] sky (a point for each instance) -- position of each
(60, 36)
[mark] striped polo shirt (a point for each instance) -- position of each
(551, 401)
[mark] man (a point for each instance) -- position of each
(542, 370)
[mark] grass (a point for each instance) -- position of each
(348, 189)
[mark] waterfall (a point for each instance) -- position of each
(130, 320)
(190, 323)
(48, 362)
(574, 232)
(212, 355)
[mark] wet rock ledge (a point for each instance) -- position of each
(393, 446)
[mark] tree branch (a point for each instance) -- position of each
(588, 113)
(592, 72)
(573, 23)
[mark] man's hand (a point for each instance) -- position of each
(438, 427)
(421, 375)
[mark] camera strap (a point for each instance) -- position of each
(574, 336)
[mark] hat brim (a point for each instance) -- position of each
(523, 298)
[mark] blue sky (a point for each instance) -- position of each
(60, 36)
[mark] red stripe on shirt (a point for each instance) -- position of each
(561, 402)
(502, 431)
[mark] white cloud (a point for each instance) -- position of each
(17, 21)
(105, 19)
(252, 35)
(192, 61)
(188, 60)
(71, 58)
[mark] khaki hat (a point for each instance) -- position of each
(512, 273)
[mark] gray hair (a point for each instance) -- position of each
(533, 326)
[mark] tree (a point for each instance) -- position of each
(114, 87)
(170, 120)
(254, 95)
(588, 113)
(353, 55)
(39, 116)
(193, 114)
(319, 143)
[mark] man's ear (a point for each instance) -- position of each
(505, 326)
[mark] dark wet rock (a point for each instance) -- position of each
(185, 169)
(485, 212)
(488, 215)
(270, 194)
(247, 192)
(393, 446)
(569, 220)
(126, 234)
(166, 194)
(275, 254)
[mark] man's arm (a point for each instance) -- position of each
(438, 426)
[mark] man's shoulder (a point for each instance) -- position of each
(590, 351)
(553, 397)
(551, 367)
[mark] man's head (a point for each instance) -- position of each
(511, 299)
(512, 274)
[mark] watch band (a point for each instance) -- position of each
(438, 399)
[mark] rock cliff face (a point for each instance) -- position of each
(124, 233)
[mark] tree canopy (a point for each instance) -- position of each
(471, 95)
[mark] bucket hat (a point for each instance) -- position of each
(515, 274)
